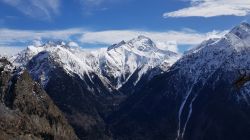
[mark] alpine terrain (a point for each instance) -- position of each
(124, 70)
(132, 90)
(89, 85)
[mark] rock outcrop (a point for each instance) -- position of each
(26, 111)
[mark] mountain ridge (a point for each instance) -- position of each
(202, 85)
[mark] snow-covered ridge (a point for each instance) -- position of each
(229, 54)
(122, 60)
(114, 65)
(215, 52)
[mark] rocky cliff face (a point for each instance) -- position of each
(26, 111)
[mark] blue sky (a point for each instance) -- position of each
(173, 24)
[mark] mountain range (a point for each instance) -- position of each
(133, 90)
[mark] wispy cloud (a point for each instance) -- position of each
(91, 6)
(40, 9)
(165, 40)
(10, 35)
(212, 8)
(93, 2)
(2, 22)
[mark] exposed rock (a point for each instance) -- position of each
(26, 111)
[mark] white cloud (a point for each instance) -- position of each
(10, 35)
(212, 8)
(40, 9)
(73, 44)
(10, 39)
(91, 6)
(37, 42)
(170, 45)
(165, 40)
(96, 3)
(108, 37)
(168, 39)
(9, 51)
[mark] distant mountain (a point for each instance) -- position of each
(26, 111)
(204, 95)
(88, 85)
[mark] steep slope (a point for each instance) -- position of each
(138, 55)
(204, 95)
(26, 111)
(75, 89)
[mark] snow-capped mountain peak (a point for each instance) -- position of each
(230, 53)
(114, 65)
(140, 43)
(239, 37)
(122, 60)
(219, 60)
(242, 31)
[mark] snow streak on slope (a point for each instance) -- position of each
(229, 54)
(179, 132)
